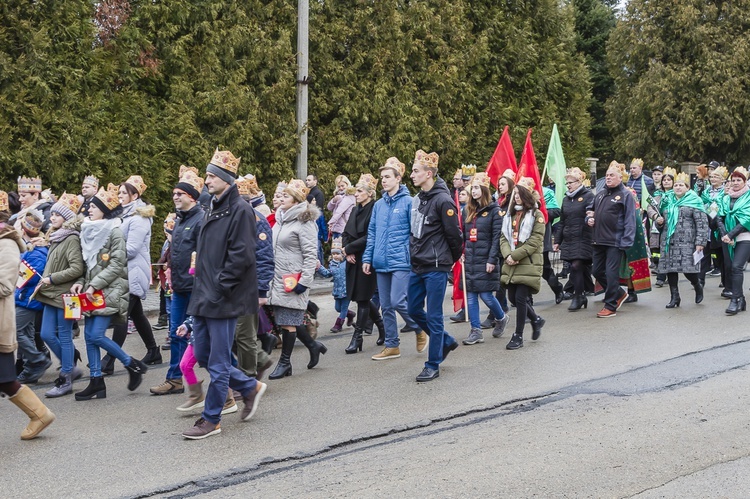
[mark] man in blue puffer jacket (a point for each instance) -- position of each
(387, 252)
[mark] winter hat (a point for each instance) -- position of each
(224, 165)
(67, 206)
(190, 182)
(32, 222)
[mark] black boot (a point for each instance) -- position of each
(632, 297)
(735, 305)
(368, 327)
(314, 347)
(136, 370)
(559, 294)
(284, 367)
(675, 301)
(268, 342)
(577, 302)
(153, 356)
(381, 332)
(76, 357)
(536, 327)
(699, 292)
(96, 390)
(515, 342)
(108, 365)
(356, 342)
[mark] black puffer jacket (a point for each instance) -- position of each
(489, 225)
(359, 286)
(226, 285)
(436, 239)
(572, 233)
(184, 241)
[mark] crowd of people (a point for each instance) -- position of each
(235, 274)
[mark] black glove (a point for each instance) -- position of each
(299, 289)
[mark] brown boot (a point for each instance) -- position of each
(230, 405)
(195, 398)
(40, 417)
(168, 387)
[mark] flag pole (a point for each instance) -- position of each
(463, 281)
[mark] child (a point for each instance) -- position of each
(337, 270)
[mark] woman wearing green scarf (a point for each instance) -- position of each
(685, 232)
(734, 227)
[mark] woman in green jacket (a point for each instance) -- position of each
(64, 267)
(103, 248)
(521, 244)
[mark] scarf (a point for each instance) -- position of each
(60, 234)
(94, 235)
(736, 194)
(129, 209)
(524, 232)
(258, 200)
(573, 194)
(672, 204)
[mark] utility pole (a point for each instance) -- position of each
(303, 22)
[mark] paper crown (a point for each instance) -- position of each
(243, 186)
(280, 187)
(394, 164)
(226, 161)
(671, 172)
(32, 221)
(91, 180)
(620, 167)
(137, 182)
(297, 189)
(740, 170)
(192, 178)
(336, 244)
(468, 170)
(527, 183)
(683, 177)
(367, 181)
(721, 171)
(4, 201)
(26, 184)
(184, 169)
(575, 173)
(252, 183)
(481, 179)
(637, 162)
(108, 196)
(169, 222)
(509, 174)
(70, 201)
(425, 160)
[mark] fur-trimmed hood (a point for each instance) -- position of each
(146, 211)
(7, 231)
(304, 212)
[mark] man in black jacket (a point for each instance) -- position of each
(436, 244)
(184, 240)
(613, 218)
(225, 288)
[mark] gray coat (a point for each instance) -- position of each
(136, 227)
(691, 231)
(295, 248)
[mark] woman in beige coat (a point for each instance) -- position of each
(22, 396)
(295, 249)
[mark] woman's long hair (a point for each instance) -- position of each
(474, 205)
(528, 200)
(503, 201)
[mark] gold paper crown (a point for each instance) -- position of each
(280, 187)
(4, 201)
(621, 168)
(137, 182)
(243, 186)
(721, 171)
(252, 183)
(468, 170)
(109, 196)
(26, 184)
(741, 170)
(481, 179)
(91, 180)
(509, 174)
(425, 160)
(184, 169)
(684, 178)
(297, 189)
(395, 164)
(575, 173)
(336, 244)
(671, 172)
(226, 161)
(367, 181)
(637, 161)
(586, 182)
(70, 201)
(527, 183)
(190, 176)
(170, 221)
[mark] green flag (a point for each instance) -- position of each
(644, 193)
(554, 165)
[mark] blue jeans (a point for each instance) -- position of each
(490, 300)
(392, 289)
(430, 286)
(34, 360)
(213, 349)
(57, 333)
(95, 328)
(177, 344)
(342, 306)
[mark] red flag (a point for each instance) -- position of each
(458, 294)
(503, 158)
(529, 168)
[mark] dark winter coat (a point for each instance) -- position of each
(226, 285)
(317, 194)
(184, 241)
(359, 286)
(263, 253)
(614, 217)
(572, 233)
(436, 239)
(489, 225)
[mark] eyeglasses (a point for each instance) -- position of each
(571, 183)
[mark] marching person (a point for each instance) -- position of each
(735, 233)
(225, 288)
(435, 245)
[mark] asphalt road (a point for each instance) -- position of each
(652, 403)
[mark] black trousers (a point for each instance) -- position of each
(580, 276)
(607, 260)
(741, 255)
(135, 313)
(673, 277)
(520, 295)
